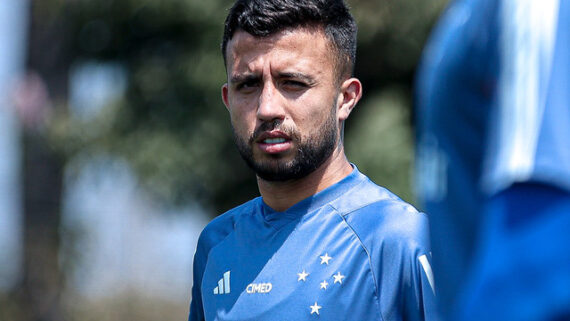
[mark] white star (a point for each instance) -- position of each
(338, 278)
(324, 284)
(315, 308)
(302, 276)
(325, 259)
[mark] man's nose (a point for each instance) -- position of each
(270, 103)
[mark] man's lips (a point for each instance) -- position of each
(274, 142)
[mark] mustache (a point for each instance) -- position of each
(276, 124)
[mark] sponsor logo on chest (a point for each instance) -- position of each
(259, 288)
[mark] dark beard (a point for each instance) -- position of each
(311, 154)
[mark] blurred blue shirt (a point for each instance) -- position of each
(493, 97)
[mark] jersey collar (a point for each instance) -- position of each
(316, 201)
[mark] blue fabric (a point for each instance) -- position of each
(523, 265)
(350, 252)
(493, 97)
(455, 91)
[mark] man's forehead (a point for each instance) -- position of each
(243, 42)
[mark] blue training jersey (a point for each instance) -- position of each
(493, 97)
(353, 251)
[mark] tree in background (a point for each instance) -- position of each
(38, 294)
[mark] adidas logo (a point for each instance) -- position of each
(223, 284)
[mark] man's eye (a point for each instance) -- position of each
(247, 85)
(294, 84)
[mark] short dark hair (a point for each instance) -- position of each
(262, 18)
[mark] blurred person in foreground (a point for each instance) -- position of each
(322, 241)
(494, 158)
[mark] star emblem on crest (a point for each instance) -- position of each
(315, 308)
(325, 259)
(338, 278)
(323, 273)
(302, 276)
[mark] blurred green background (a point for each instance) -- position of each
(124, 95)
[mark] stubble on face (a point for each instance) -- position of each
(312, 150)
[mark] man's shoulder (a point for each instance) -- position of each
(220, 227)
(371, 201)
(377, 215)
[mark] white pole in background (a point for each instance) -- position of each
(13, 40)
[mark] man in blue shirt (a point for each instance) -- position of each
(494, 158)
(322, 241)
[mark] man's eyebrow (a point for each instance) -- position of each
(297, 75)
(250, 77)
(239, 78)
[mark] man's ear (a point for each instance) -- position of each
(349, 95)
(225, 96)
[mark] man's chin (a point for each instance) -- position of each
(277, 170)
(272, 171)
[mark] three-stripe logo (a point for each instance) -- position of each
(223, 284)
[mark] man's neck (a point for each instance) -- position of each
(282, 195)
